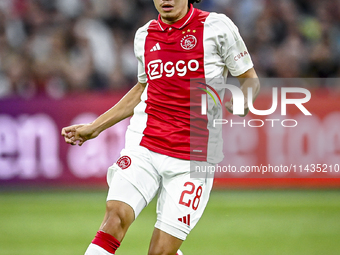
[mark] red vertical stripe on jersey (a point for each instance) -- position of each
(169, 70)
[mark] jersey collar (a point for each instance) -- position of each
(178, 24)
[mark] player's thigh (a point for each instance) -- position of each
(132, 179)
(182, 200)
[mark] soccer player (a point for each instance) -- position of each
(182, 44)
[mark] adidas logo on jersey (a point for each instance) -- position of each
(185, 219)
(156, 47)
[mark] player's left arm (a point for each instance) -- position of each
(249, 79)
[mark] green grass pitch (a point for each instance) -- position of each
(234, 223)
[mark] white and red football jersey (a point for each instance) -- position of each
(201, 45)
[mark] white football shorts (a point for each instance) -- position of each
(139, 174)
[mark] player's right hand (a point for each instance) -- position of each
(78, 134)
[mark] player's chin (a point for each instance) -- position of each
(169, 16)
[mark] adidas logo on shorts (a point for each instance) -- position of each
(185, 219)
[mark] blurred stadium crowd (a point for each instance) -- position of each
(55, 47)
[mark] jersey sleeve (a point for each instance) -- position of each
(139, 45)
(231, 46)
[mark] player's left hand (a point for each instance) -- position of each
(230, 107)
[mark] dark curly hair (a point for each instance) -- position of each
(193, 1)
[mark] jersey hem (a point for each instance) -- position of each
(169, 153)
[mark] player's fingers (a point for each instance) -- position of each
(63, 132)
(229, 106)
(78, 139)
(74, 141)
(70, 134)
(246, 111)
(80, 142)
(245, 104)
(69, 140)
(66, 130)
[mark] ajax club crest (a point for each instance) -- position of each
(188, 42)
(124, 162)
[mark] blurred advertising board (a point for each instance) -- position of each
(33, 152)
(259, 150)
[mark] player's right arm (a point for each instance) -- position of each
(124, 108)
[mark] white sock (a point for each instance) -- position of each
(94, 249)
